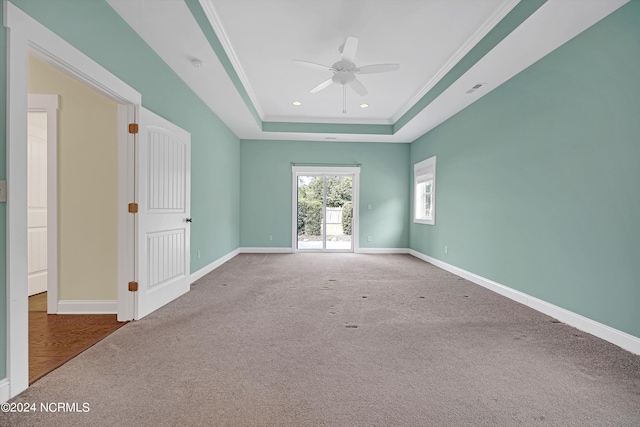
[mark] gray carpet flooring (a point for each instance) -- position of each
(342, 340)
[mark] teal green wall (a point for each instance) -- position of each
(3, 206)
(98, 31)
(538, 184)
(266, 182)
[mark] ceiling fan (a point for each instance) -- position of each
(345, 70)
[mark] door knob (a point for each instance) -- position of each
(189, 219)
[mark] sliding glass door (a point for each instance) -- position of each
(310, 209)
(323, 211)
(338, 212)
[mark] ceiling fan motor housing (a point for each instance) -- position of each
(343, 77)
(344, 65)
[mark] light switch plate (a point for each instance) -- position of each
(3, 191)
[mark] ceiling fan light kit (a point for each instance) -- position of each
(345, 70)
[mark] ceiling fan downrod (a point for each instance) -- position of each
(344, 98)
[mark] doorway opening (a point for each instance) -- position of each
(37, 223)
(325, 209)
(26, 36)
(72, 221)
(42, 198)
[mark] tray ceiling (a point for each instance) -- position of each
(245, 48)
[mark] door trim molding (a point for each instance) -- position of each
(5, 387)
(126, 221)
(24, 35)
(326, 170)
(50, 104)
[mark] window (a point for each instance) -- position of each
(424, 200)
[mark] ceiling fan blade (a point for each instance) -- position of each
(358, 87)
(321, 86)
(377, 68)
(312, 65)
(349, 49)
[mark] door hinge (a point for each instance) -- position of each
(133, 128)
(133, 286)
(133, 208)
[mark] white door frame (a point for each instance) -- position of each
(25, 35)
(297, 171)
(49, 104)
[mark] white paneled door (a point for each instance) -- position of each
(37, 201)
(163, 219)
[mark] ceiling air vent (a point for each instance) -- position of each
(476, 87)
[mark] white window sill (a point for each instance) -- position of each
(424, 221)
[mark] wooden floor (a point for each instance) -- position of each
(55, 339)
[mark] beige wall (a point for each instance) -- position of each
(87, 185)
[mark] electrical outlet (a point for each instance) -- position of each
(270, 237)
(369, 206)
(198, 253)
(3, 191)
(446, 249)
(369, 238)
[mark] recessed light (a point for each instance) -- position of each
(364, 105)
(296, 103)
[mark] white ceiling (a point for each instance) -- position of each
(275, 32)
(426, 37)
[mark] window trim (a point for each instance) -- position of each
(420, 169)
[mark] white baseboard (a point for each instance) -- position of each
(382, 251)
(600, 330)
(5, 390)
(265, 250)
(87, 307)
(271, 250)
(215, 264)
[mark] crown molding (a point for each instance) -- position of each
(484, 29)
(216, 23)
